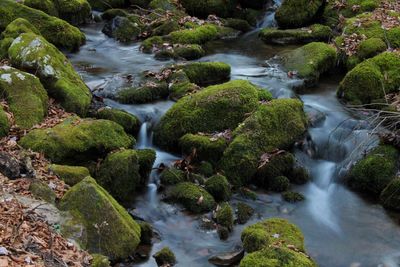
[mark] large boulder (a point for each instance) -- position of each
(215, 108)
(26, 97)
(33, 53)
(77, 140)
(55, 30)
(221, 8)
(276, 124)
(71, 175)
(298, 13)
(207, 73)
(108, 227)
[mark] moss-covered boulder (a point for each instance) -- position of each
(56, 31)
(193, 197)
(204, 168)
(47, 6)
(114, 12)
(147, 93)
(130, 122)
(243, 213)
(186, 51)
(26, 97)
(207, 73)
(34, 54)
(278, 165)
(215, 108)
(165, 257)
(238, 24)
(276, 124)
(390, 196)
(198, 35)
(373, 173)
(4, 123)
(109, 229)
(314, 33)
(41, 190)
(371, 80)
(224, 216)
(71, 175)
(295, 13)
(367, 49)
(277, 257)
(77, 140)
(219, 187)
(279, 184)
(202, 9)
(272, 231)
(310, 61)
(74, 11)
(172, 176)
(146, 158)
(102, 5)
(122, 29)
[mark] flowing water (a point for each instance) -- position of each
(340, 228)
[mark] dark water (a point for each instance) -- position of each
(340, 228)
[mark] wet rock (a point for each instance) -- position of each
(9, 166)
(122, 29)
(315, 117)
(165, 257)
(227, 258)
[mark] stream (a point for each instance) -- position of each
(340, 227)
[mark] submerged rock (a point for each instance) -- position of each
(295, 14)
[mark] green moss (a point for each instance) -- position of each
(56, 31)
(202, 9)
(130, 122)
(77, 140)
(276, 124)
(199, 35)
(162, 4)
(146, 231)
(100, 261)
(114, 12)
(373, 173)
(272, 231)
(295, 13)
(224, 216)
(144, 94)
(150, 43)
(390, 196)
(4, 123)
(218, 186)
(292, 197)
(205, 168)
(181, 89)
(25, 95)
(165, 257)
(47, 6)
(71, 175)
(207, 73)
(102, 5)
(276, 257)
(109, 229)
(193, 197)
(279, 165)
(41, 190)
(243, 213)
(238, 24)
(393, 37)
(146, 158)
(215, 108)
(247, 193)
(189, 52)
(367, 49)
(299, 175)
(310, 61)
(34, 54)
(316, 32)
(166, 27)
(172, 176)
(207, 147)
(371, 79)
(279, 184)
(74, 11)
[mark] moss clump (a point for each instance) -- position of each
(272, 231)
(150, 43)
(224, 216)
(146, 231)
(367, 49)
(146, 158)
(102, 5)
(34, 54)
(371, 79)
(47, 6)
(390, 196)
(41, 190)
(279, 165)
(166, 5)
(207, 147)
(202, 9)
(71, 175)
(56, 31)
(109, 229)
(373, 173)
(299, 175)
(166, 28)
(207, 73)
(296, 14)
(238, 24)
(199, 35)
(172, 176)
(292, 197)
(130, 122)
(100, 261)
(310, 61)
(205, 168)
(143, 94)
(114, 12)
(276, 124)
(215, 108)
(189, 52)
(4, 123)
(74, 11)
(122, 29)
(77, 140)
(193, 197)
(316, 32)
(243, 213)
(276, 257)
(165, 257)
(279, 184)
(25, 95)
(218, 187)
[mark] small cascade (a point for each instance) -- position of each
(145, 137)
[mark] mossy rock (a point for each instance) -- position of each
(146, 231)
(55, 30)
(102, 5)
(373, 173)
(100, 261)
(272, 231)
(298, 13)
(218, 186)
(172, 176)
(276, 124)
(143, 94)
(276, 257)
(215, 108)
(47, 6)
(224, 216)
(77, 140)
(390, 196)
(129, 122)
(165, 28)
(371, 79)
(114, 12)
(165, 257)
(292, 197)
(122, 29)
(71, 175)
(278, 165)
(25, 95)
(367, 49)
(189, 52)
(146, 157)
(207, 147)
(299, 175)
(207, 73)
(238, 24)
(109, 229)
(4, 123)
(314, 33)
(193, 197)
(166, 5)
(151, 43)
(42, 191)
(243, 213)
(204, 168)
(34, 54)
(202, 9)
(199, 35)
(74, 11)
(180, 85)
(310, 61)
(279, 184)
